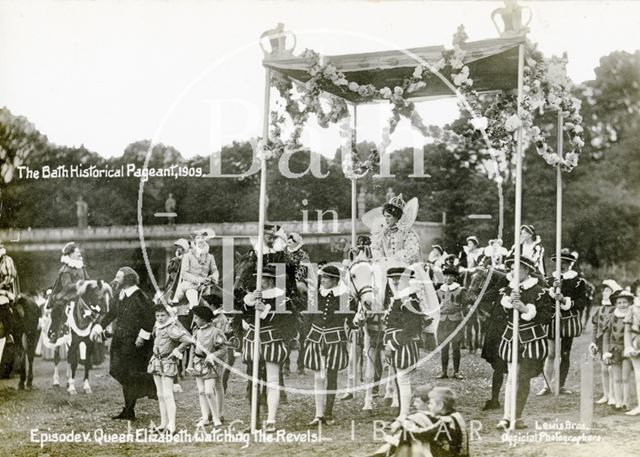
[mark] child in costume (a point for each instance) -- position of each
(601, 319)
(204, 362)
(434, 429)
(632, 346)
(170, 339)
(451, 296)
(613, 349)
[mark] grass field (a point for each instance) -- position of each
(26, 414)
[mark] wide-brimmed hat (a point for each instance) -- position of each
(529, 228)
(624, 294)
(207, 234)
(450, 271)
(181, 242)
(203, 312)
(268, 271)
(524, 261)
(611, 284)
(69, 248)
(474, 239)
(395, 272)
(330, 271)
(566, 255)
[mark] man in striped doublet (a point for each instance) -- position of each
(535, 307)
(573, 297)
(403, 325)
(326, 350)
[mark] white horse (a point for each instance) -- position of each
(368, 280)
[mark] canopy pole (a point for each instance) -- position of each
(259, 251)
(556, 361)
(516, 263)
(500, 210)
(354, 190)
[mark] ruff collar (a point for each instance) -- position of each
(449, 288)
(73, 263)
(338, 290)
(620, 313)
(404, 293)
(272, 293)
(569, 274)
(524, 285)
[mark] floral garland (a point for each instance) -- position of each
(545, 86)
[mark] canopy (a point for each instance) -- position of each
(493, 66)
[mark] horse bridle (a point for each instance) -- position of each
(359, 292)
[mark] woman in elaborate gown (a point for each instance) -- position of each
(397, 240)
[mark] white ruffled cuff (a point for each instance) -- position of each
(566, 306)
(144, 334)
(506, 302)
(531, 312)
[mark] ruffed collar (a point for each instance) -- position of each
(569, 274)
(73, 263)
(272, 293)
(606, 302)
(338, 290)
(620, 313)
(404, 293)
(525, 285)
(449, 288)
(297, 248)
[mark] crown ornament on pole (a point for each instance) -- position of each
(511, 14)
(277, 41)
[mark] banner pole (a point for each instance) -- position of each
(259, 251)
(354, 190)
(516, 263)
(556, 361)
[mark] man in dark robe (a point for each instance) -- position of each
(131, 346)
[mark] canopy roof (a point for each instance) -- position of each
(493, 66)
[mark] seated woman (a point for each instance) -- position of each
(197, 270)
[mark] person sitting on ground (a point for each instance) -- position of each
(434, 429)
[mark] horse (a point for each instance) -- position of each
(85, 303)
(367, 282)
(23, 319)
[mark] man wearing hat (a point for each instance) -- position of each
(131, 346)
(71, 271)
(326, 351)
(403, 326)
(535, 309)
(9, 286)
(8, 272)
(298, 259)
(572, 293)
(451, 296)
(198, 269)
(277, 324)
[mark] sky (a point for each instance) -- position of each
(106, 73)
